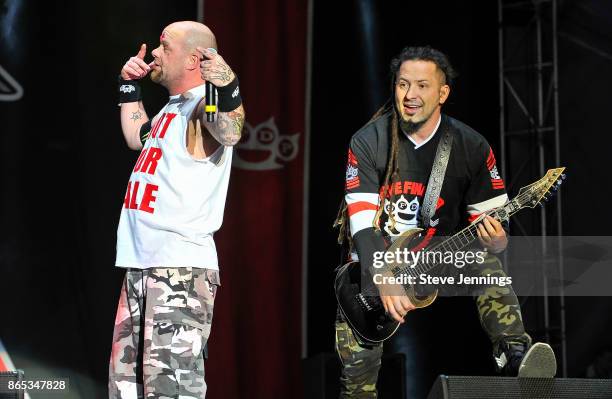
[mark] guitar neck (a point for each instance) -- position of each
(528, 196)
(469, 234)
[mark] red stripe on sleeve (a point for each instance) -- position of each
(497, 183)
(352, 184)
(360, 206)
(490, 160)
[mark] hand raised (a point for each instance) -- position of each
(135, 67)
(214, 69)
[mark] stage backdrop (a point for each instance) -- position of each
(255, 340)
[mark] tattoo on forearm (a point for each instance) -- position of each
(136, 115)
(229, 126)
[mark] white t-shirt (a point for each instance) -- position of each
(174, 203)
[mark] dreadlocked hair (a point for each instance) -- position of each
(391, 173)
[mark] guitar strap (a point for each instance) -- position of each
(436, 178)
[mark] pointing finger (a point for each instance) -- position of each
(201, 51)
(142, 51)
(206, 52)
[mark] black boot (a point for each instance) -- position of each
(508, 358)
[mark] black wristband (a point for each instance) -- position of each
(129, 91)
(229, 96)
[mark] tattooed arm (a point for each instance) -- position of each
(227, 128)
(133, 116)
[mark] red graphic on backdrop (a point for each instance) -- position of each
(262, 147)
(260, 243)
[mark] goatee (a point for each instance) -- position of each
(409, 127)
(155, 76)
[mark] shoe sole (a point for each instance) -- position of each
(539, 362)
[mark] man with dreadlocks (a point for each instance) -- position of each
(389, 163)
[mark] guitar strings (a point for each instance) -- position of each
(519, 201)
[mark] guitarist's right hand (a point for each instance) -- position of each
(396, 306)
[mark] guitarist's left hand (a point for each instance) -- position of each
(492, 235)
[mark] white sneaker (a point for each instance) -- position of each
(538, 362)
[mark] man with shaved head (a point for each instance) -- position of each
(173, 204)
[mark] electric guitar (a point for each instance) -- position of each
(366, 314)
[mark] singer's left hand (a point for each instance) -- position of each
(214, 69)
(492, 235)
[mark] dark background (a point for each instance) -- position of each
(64, 164)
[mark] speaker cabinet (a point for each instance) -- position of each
(474, 387)
(5, 378)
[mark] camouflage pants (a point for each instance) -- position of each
(360, 363)
(500, 316)
(160, 355)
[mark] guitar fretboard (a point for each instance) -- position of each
(461, 239)
(528, 196)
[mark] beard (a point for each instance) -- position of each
(410, 127)
(156, 75)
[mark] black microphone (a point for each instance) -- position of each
(210, 103)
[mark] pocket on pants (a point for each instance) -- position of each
(177, 340)
(177, 315)
(213, 280)
(205, 285)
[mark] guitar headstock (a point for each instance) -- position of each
(533, 194)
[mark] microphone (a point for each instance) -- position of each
(210, 102)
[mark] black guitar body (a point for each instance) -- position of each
(365, 314)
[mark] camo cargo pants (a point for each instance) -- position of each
(500, 317)
(160, 355)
